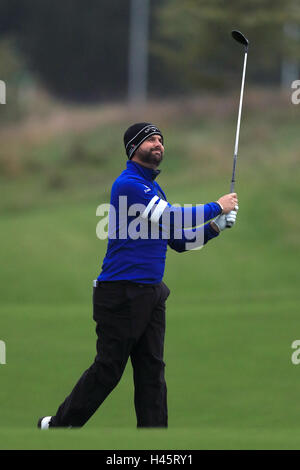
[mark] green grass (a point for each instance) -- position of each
(106, 438)
(232, 315)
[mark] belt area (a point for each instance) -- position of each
(97, 283)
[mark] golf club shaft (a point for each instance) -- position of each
(238, 125)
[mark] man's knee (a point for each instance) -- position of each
(108, 374)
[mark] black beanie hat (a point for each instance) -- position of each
(136, 134)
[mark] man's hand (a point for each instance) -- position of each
(228, 202)
(224, 221)
(231, 218)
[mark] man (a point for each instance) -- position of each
(129, 295)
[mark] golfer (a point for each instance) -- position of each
(129, 295)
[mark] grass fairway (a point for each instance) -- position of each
(232, 315)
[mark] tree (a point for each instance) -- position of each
(193, 38)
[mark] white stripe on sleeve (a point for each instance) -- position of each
(158, 211)
(149, 207)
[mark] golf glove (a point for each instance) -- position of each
(230, 219)
(225, 220)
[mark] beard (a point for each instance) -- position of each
(152, 156)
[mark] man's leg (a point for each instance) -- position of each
(112, 314)
(148, 367)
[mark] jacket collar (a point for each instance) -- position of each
(147, 173)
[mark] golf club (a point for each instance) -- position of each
(239, 37)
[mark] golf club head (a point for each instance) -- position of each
(239, 37)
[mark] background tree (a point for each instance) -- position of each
(192, 37)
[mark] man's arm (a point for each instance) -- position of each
(196, 238)
(193, 238)
(172, 217)
(187, 217)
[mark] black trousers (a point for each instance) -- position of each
(130, 322)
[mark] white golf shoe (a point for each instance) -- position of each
(44, 423)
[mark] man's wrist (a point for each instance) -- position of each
(221, 207)
(214, 227)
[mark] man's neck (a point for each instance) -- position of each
(146, 165)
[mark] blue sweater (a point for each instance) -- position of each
(142, 224)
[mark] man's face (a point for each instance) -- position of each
(151, 151)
